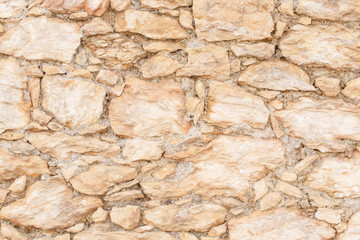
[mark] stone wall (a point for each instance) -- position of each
(179, 119)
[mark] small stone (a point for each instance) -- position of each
(160, 65)
(186, 19)
(303, 164)
(170, 4)
(96, 128)
(11, 8)
(164, 171)
(21, 147)
(120, 5)
(328, 215)
(92, 7)
(18, 185)
(99, 215)
(270, 200)
(352, 89)
(107, 77)
(287, 7)
(158, 46)
(329, 86)
(80, 16)
(268, 94)
(259, 50)
(248, 61)
(341, 227)
(117, 90)
(127, 217)
(142, 149)
(187, 236)
(217, 231)
(52, 70)
(40, 116)
(305, 21)
(76, 228)
(121, 235)
(277, 104)
(125, 196)
(235, 65)
(36, 12)
(174, 13)
(320, 201)
(11, 136)
(325, 146)
(33, 71)
(280, 27)
(3, 194)
(288, 189)
(288, 176)
(148, 167)
(35, 127)
(352, 231)
(191, 103)
(146, 228)
(54, 126)
(260, 189)
(10, 232)
(97, 26)
(69, 172)
(65, 236)
(83, 73)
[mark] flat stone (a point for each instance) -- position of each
(326, 146)
(260, 189)
(42, 38)
(11, 8)
(352, 89)
(287, 7)
(165, 171)
(186, 19)
(126, 217)
(34, 90)
(74, 103)
(279, 224)
(270, 200)
(107, 77)
(124, 196)
(353, 228)
(328, 215)
(288, 189)
(172, 218)
(18, 185)
(329, 86)
(120, 5)
(158, 46)
(259, 50)
(97, 26)
(96, 128)
(276, 75)
(169, 4)
(166, 101)
(142, 149)
(187, 236)
(228, 105)
(314, 46)
(159, 65)
(10, 232)
(99, 215)
(122, 235)
(232, 19)
(49, 204)
(92, 7)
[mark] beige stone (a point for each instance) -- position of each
(303, 45)
(40, 116)
(83, 73)
(259, 50)
(268, 94)
(280, 28)
(160, 65)
(158, 46)
(166, 102)
(279, 224)
(169, 4)
(120, 5)
(210, 61)
(288, 176)
(21, 147)
(352, 89)
(228, 105)
(260, 189)
(127, 217)
(99, 215)
(97, 26)
(76, 228)
(117, 90)
(142, 149)
(125, 196)
(172, 218)
(10, 232)
(186, 19)
(227, 20)
(96, 128)
(187, 236)
(54, 126)
(11, 8)
(276, 75)
(18, 185)
(3, 194)
(277, 104)
(121, 235)
(52, 70)
(171, 12)
(35, 127)
(270, 200)
(326, 146)
(107, 77)
(81, 16)
(353, 228)
(92, 7)
(303, 164)
(305, 21)
(33, 71)
(287, 7)
(191, 103)
(328, 86)
(217, 231)
(321, 201)
(328, 215)
(288, 189)
(149, 24)
(49, 204)
(164, 171)
(11, 136)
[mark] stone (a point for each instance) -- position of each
(49, 204)
(288, 189)
(217, 231)
(149, 24)
(280, 28)
(228, 105)
(83, 73)
(99, 178)
(259, 50)
(169, 4)
(329, 86)
(352, 89)
(277, 104)
(126, 217)
(270, 200)
(210, 61)
(33, 71)
(301, 46)
(11, 136)
(107, 77)
(305, 21)
(305, 163)
(76, 228)
(172, 218)
(328, 215)
(122, 235)
(319, 200)
(187, 236)
(311, 119)
(125, 196)
(325, 146)
(160, 65)
(11, 8)
(228, 20)
(99, 215)
(158, 46)
(40, 116)
(96, 128)
(97, 26)
(14, 112)
(186, 19)
(42, 38)
(352, 231)
(276, 75)
(165, 171)
(192, 103)
(92, 7)
(54, 126)
(10, 232)
(81, 16)
(120, 5)
(52, 70)
(3, 194)
(340, 11)
(21, 147)
(117, 90)
(18, 185)
(35, 127)
(279, 224)
(260, 189)
(287, 7)
(166, 102)
(62, 146)
(288, 176)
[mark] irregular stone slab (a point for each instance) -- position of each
(74, 103)
(97, 7)
(158, 46)
(127, 217)
(279, 224)
(42, 38)
(276, 75)
(233, 19)
(11, 8)
(329, 120)
(97, 26)
(99, 178)
(169, 4)
(60, 145)
(49, 204)
(14, 112)
(352, 89)
(160, 104)
(328, 86)
(259, 50)
(172, 218)
(159, 65)
(121, 235)
(322, 46)
(149, 24)
(210, 61)
(142, 149)
(228, 105)
(340, 10)
(353, 228)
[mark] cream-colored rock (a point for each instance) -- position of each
(275, 126)
(142, 149)
(158, 46)
(270, 200)
(164, 171)
(233, 19)
(288, 189)
(120, 5)
(260, 189)
(54, 126)
(18, 185)
(34, 90)
(169, 4)
(107, 77)
(32, 71)
(326, 146)
(73, 102)
(288, 176)
(322, 46)
(287, 7)
(160, 65)
(3, 194)
(92, 7)
(40, 116)
(99, 178)
(328, 215)
(11, 136)
(280, 28)
(42, 38)
(277, 104)
(172, 218)
(121, 235)
(303, 164)
(353, 228)
(279, 224)
(99, 215)
(328, 120)
(187, 236)
(125, 196)
(276, 75)
(210, 61)
(166, 99)
(186, 19)
(11, 8)
(259, 50)
(149, 24)
(305, 21)
(217, 231)
(321, 201)
(80, 16)
(191, 103)
(352, 89)
(49, 204)
(10, 232)
(21, 147)
(117, 90)
(328, 86)
(228, 105)
(76, 228)
(60, 145)
(97, 26)
(96, 128)
(52, 69)
(127, 217)
(35, 127)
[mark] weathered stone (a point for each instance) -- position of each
(142, 149)
(149, 24)
(280, 224)
(125, 196)
(353, 228)
(276, 75)
(227, 20)
(3, 194)
(288, 189)
(59, 145)
(35, 127)
(83, 73)
(329, 120)
(260, 189)
(120, 5)
(187, 236)
(328, 215)
(92, 7)
(305, 21)
(42, 38)
(288, 176)
(228, 105)
(259, 50)
(329, 86)
(173, 218)
(165, 171)
(96, 128)
(169, 4)
(217, 231)
(97, 26)
(158, 46)
(76, 228)
(99, 215)
(159, 65)
(54, 126)
(326, 146)
(127, 217)
(107, 77)
(210, 61)
(21, 147)
(121, 235)
(287, 7)
(270, 200)
(117, 90)
(186, 19)
(280, 28)
(33, 71)
(10, 232)
(318, 200)
(11, 8)
(18, 185)
(40, 116)
(73, 102)
(11, 136)
(166, 102)
(352, 89)
(315, 46)
(305, 163)
(81, 16)
(49, 204)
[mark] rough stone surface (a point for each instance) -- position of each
(121, 235)
(159, 65)
(353, 228)
(169, 4)
(127, 217)
(11, 8)
(329, 86)
(92, 7)
(259, 50)
(352, 89)
(142, 149)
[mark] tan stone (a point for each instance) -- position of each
(328, 86)
(121, 235)
(268, 94)
(217, 231)
(107, 77)
(21, 147)
(302, 45)
(40, 116)
(96, 128)
(83, 73)
(59, 145)
(10, 232)
(33, 71)
(76, 228)
(288, 176)
(279, 224)
(288, 189)
(227, 20)
(191, 103)
(169, 4)
(99, 215)
(117, 90)
(260, 189)
(353, 228)
(3, 194)
(228, 105)
(173, 218)
(159, 65)
(127, 217)
(325, 146)
(97, 26)
(124, 196)
(305, 21)
(35, 127)
(187, 236)
(270, 200)
(11, 136)
(54, 126)
(352, 89)
(92, 7)
(142, 149)
(328, 215)
(149, 24)
(166, 102)
(186, 19)
(320, 201)
(277, 104)
(210, 61)
(81, 16)
(286, 7)
(158, 46)
(276, 75)
(52, 70)
(164, 171)
(259, 50)
(49, 204)
(11, 8)
(120, 5)
(303, 164)
(280, 28)
(18, 185)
